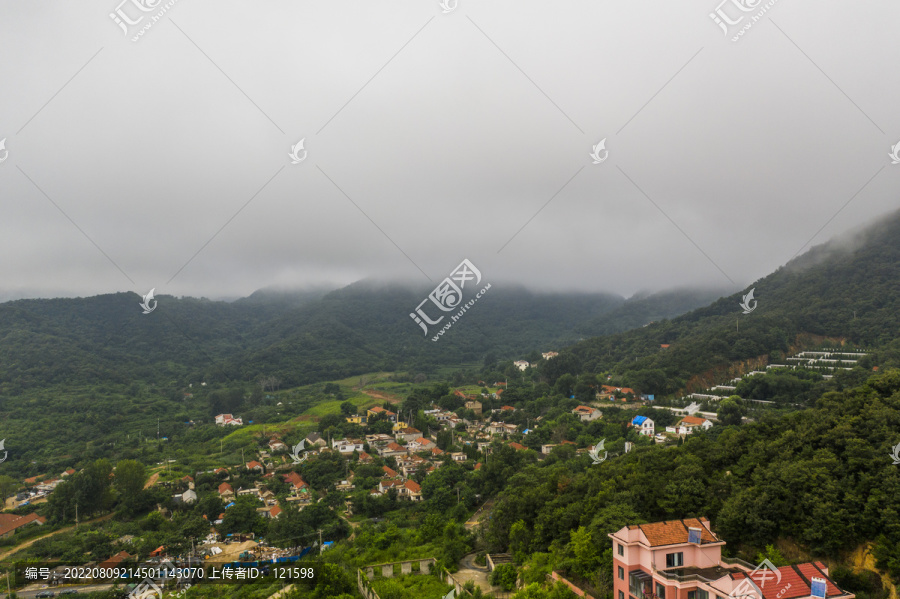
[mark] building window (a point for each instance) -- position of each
(660, 591)
(621, 573)
(621, 549)
(675, 560)
(692, 594)
(639, 583)
(701, 594)
(621, 595)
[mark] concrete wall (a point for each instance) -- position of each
(364, 578)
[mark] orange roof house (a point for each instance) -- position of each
(10, 523)
(114, 560)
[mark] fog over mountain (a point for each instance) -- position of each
(430, 137)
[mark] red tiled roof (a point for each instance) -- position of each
(295, 479)
(693, 420)
(225, 487)
(388, 472)
(11, 522)
(478, 466)
(794, 581)
(275, 511)
(253, 464)
(672, 532)
(395, 447)
(517, 446)
(114, 560)
(413, 486)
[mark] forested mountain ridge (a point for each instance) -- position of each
(847, 288)
(297, 337)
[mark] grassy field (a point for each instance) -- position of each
(413, 586)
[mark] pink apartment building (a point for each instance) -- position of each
(682, 559)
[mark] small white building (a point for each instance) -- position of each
(521, 364)
(644, 425)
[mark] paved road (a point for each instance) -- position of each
(479, 514)
(469, 570)
(82, 588)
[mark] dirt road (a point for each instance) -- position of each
(382, 396)
(31, 542)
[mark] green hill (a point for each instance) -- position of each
(847, 289)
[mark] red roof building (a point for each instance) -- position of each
(10, 523)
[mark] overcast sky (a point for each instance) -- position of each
(434, 136)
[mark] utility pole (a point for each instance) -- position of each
(76, 514)
(321, 547)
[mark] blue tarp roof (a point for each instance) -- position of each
(639, 420)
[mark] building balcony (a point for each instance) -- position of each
(694, 574)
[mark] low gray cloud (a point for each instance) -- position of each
(432, 137)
